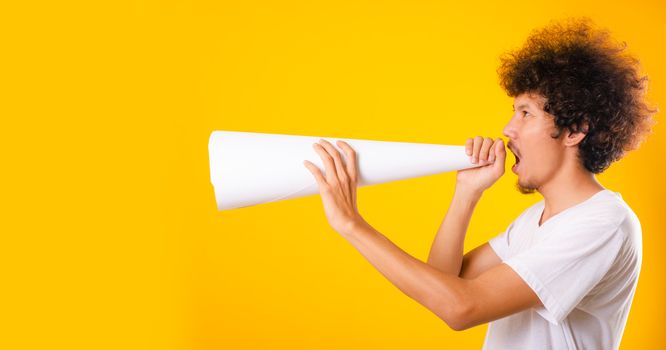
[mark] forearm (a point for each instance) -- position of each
(446, 253)
(442, 293)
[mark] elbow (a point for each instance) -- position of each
(459, 316)
(456, 326)
(459, 321)
(454, 302)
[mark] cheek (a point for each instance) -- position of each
(537, 135)
(544, 159)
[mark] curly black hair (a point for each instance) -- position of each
(590, 84)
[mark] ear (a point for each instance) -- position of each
(574, 138)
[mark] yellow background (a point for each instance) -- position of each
(110, 238)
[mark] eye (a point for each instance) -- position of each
(525, 113)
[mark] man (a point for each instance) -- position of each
(563, 274)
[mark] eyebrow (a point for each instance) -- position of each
(523, 106)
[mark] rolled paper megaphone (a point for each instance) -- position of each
(248, 168)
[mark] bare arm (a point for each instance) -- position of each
(446, 253)
(461, 303)
(478, 261)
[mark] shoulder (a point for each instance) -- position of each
(609, 207)
(627, 222)
(607, 211)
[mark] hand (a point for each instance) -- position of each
(338, 188)
(484, 151)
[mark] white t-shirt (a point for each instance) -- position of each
(583, 264)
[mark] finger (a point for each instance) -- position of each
(492, 151)
(500, 156)
(468, 146)
(485, 147)
(478, 142)
(337, 160)
(500, 152)
(329, 167)
(352, 167)
(316, 172)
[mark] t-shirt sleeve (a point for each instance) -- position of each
(500, 243)
(566, 265)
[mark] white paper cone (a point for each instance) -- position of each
(249, 168)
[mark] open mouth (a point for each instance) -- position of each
(516, 154)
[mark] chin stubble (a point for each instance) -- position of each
(525, 189)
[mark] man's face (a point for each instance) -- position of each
(538, 155)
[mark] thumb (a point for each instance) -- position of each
(500, 153)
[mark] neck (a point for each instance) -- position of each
(571, 185)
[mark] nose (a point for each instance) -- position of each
(510, 130)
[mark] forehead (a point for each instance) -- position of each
(529, 101)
